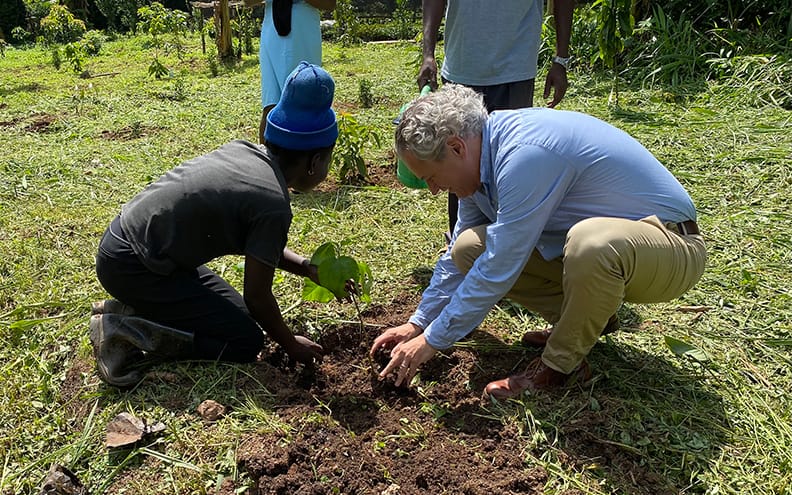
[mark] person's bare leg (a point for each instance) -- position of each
(263, 123)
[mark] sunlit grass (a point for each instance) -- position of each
(718, 426)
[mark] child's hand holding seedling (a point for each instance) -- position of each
(340, 277)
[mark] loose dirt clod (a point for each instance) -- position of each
(211, 410)
(126, 429)
(61, 481)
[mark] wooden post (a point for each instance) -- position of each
(201, 28)
(222, 15)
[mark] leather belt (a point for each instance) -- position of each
(688, 227)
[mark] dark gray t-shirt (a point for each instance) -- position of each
(233, 200)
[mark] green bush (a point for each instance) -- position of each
(20, 35)
(668, 51)
(372, 31)
(12, 15)
(57, 61)
(121, 15)
(353, 138)
(707, 13)
(74, 53)
(350, 26)
(389, 30)
(60, 26)
(35, 10)
(365, 95)
(167, 27)
(92, 42)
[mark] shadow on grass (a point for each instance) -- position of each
(649, 426)
(236, 65)
(642, 425)
(335, 197)
(19, 88)
(421, 276)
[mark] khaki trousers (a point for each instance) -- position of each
(606, 261)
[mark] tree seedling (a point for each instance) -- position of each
(340, 277)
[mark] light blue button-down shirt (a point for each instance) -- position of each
(542, 171)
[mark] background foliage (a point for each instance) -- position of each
(709, 99)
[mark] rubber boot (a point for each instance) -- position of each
(125, 346)
(117, 361)
(111, 306)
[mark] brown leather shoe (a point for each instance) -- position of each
(539, 337)
(537, 376)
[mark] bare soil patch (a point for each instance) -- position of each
(40, 122)
(370, 437)
(129, 133)
(349, 433)
(37, 122)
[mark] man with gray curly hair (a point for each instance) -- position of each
(561, 212)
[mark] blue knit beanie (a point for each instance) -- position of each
(303, 119)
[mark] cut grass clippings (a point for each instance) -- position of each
(74, 150)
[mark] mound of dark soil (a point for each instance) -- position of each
(370, 437)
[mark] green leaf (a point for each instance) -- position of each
(333, 274)
(325, 252)
(334, 271)
(24, 325)
(313, 292)
(683, 349)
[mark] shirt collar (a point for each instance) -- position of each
(485, 164)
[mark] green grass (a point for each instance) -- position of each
(721, 426)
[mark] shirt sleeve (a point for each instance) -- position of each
(268, 236)
(530, 182)
(447, 277)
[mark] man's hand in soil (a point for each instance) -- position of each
(305, 350)
(394, 336)
(406, 357)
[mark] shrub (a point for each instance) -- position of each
(20, 35)
(160, 22)
(708, 13)
(121, 15)
(353, 138)
(371, 31)
(668, 51)
(92, 42)
(57, 61)
(244, 26)
(60, 26)
(35, 10)
(12, 14)
(74, 53)
(365, 96)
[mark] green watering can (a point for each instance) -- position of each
(403, 173)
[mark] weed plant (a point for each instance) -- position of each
(720, 424)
